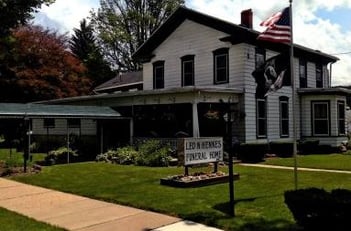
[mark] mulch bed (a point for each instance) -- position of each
(6, 171)
(197, 179)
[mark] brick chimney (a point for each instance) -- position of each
(246, 18)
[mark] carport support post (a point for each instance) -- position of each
(26, 143)
(68, 150)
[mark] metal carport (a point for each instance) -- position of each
(30, 111)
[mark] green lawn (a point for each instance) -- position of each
(258, 193)
(12, 221)
(16, 158)
(331, 161)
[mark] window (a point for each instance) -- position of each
(319, 76)
(341, 117)
(159, 74)
(303, 73)
(49, 123)
(284, 116)
(188, 78)
(221, 67)
(260, 57)
(320, 118)
(261, 115)
(73, 123)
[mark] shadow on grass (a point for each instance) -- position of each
(265, 225)
(240, 223)
(225, 207)
(222, 219)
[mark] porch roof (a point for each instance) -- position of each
(324, 91)
(16, 110)
(139, 96)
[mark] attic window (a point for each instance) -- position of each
(221, 65)
(158, 76)
(188, 75)
(319, 76)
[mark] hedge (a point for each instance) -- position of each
(317, 209)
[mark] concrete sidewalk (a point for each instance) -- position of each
(292, 168)
(74, 212)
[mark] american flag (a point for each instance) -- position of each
(278, 27)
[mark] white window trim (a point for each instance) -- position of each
(313, 118)
(226, 69)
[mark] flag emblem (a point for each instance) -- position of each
(278, 27)
(272, 75)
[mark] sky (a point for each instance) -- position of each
(323, 25)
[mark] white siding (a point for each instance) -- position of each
(189, 38)
(306, 114)
(273, 111)
(147, 76)
(311, 75)
(88, 127)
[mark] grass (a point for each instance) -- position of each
(331, 161)
(258, 193)
(15, 159)
(13, 221)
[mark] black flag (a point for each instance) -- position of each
(272, 75)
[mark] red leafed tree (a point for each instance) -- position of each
(43, 68)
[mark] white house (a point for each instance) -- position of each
(196, 66)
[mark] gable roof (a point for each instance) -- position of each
(16, 110)
(237, 34)
(121, 82)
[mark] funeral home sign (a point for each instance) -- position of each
(201, 150)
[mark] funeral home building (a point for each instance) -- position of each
(198, 70)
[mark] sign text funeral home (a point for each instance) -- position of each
(203, 150)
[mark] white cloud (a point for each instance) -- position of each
(67, 14)
(309, 29)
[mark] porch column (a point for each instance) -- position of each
(196, 130)
(101, 138)
(131, 131)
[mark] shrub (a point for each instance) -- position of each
(150, 153)
(153, 153)
(252, 153)
(126, 155)
(281, 149)
(102, 157)
(60, 155)
(307, 146)
(316, 209)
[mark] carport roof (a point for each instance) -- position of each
(15, 110)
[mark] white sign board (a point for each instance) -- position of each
(203, 150)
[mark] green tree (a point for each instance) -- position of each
(13, 13)
(41, 68)
(83, 45)
(18, 12)
(124, 25)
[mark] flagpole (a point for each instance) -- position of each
(293, 95)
